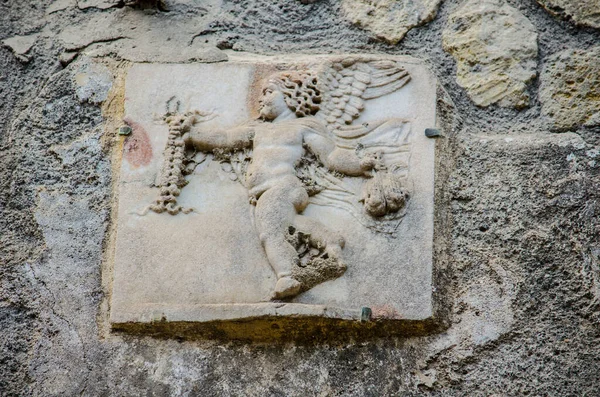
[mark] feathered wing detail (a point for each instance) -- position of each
(389, 138)
(382, 201)
(345, 85)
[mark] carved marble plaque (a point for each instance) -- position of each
(276, 191)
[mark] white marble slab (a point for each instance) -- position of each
(209, 265)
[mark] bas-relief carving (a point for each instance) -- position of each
(276, 188)
(299, 151)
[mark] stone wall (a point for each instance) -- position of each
(524, 247)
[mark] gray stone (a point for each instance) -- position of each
(67, 57)
(59, 5)
(59, 215)
(206, 263)
(495, 48)
(581, 12)
(570, 89)
(390, 20)
(105, 4)
(20, 45)
(101, 4)
(93, 80)
(142, 39)
(523, 295)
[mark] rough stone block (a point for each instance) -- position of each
(276, 197)
(495, 47)
(581, 12)
(570, 89)
(390, 20)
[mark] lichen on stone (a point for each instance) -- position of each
(570, 89)
(495, 48)
(390, 20)
(581, 12)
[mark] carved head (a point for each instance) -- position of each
(293, 89)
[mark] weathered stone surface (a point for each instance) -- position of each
(524, 255)
(390, 20)
(101, 4)
(158, 40)
(209, 264)
(93, 80)
(20, 45)
(59, 5)
(495, 48)
(570, 88)
(582, 12)
(520, 190)
(104, 4)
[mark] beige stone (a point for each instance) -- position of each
(570, 89)
(495, 48)
(309, 196)
(390, 20)
(582, 12)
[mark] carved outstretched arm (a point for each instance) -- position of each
(208, 139)
(346, 161)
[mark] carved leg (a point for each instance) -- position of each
(331, 240)
(275, 212)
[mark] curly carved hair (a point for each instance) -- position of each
(300, 90)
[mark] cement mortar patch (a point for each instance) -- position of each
(210, 265)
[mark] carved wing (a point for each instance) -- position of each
(345, 85)
(381, 202)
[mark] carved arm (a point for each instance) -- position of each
(207, 139)
(346, 161)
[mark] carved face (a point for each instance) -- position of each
(272, 102)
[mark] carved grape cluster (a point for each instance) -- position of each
(384, 194)
(172, 175)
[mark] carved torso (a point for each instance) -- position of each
(277, 148)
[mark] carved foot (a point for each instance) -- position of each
(318, 270)
(286, 287)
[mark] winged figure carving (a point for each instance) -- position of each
(305, 147)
